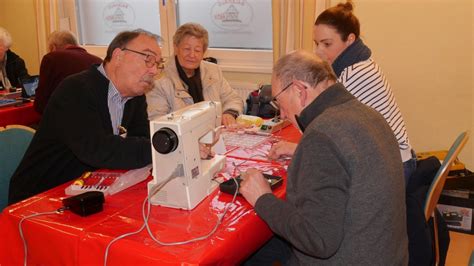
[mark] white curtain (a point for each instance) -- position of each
(46, 22)
(293, 24)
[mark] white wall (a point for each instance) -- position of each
(19, 19)
(425, 48)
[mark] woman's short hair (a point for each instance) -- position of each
(5, 38)
(342, 19)
(305, 66)
(191, 29)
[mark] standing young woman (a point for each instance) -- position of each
(336, 34)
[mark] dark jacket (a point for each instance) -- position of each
(345, 188)
(56, 66)
(420, 232)
(16, 69)
(75, 135)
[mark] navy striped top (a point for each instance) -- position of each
(366, 81)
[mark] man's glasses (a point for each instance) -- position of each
(274, 101)
(150, 60)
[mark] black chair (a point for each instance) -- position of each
(427, 232)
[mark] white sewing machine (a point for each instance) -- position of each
(175, 153)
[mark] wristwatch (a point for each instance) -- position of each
(232, 112)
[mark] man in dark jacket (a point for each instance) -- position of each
(95, 119)
(65, 58)
(12, 67)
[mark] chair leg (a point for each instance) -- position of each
(436, 242)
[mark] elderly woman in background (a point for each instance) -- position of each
(188, 79)
(12, 67)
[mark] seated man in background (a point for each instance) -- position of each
(345, 201)
(188, 79)
(12, 67)
(95, 119)
(65, 58)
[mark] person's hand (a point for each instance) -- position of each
(282, 148)
(205, 151)
(228, 120)
(253, 185)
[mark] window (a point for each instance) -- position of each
(240, 31)
(99, 21)
(231, 24)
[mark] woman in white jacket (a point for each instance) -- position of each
(188, 79)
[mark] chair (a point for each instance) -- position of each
(14, 141)
(437, 185)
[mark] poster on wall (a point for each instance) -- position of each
(231, 23)
(100, 20)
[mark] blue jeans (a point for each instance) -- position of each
(275, 250)
(409, 167)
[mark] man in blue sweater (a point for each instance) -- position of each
(345, 199)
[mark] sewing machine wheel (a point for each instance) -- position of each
(165, 140)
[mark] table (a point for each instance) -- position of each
(24, 114)
(68, 239)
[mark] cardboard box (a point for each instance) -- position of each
(456, 203)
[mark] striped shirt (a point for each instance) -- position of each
(368, 84)
(115, 102)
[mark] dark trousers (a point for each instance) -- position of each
(409, 167)
(276, 251)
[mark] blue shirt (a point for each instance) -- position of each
(115, 102)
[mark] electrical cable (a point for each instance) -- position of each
(158, 187)
(219, 221)
(25, 247)
(146, 214)
(120, 237)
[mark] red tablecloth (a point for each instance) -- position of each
(68, 239)
(24, 114)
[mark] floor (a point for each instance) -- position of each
(460, 248)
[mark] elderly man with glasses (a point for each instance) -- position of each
(345, 201)
(95, 119)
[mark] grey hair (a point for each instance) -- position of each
(304, 66)
(5, 37)
(62, 38)
(124, 37)
(191, 29)
(150, 34)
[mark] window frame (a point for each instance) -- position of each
(233, 60)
